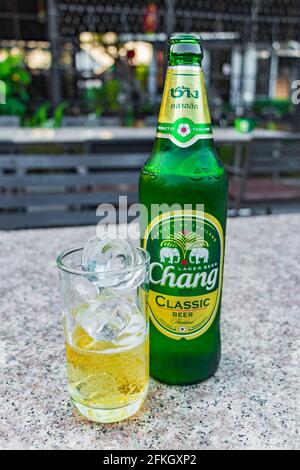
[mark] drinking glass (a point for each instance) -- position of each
(106, 336)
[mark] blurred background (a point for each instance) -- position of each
(80, 89)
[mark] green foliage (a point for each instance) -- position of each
(59, 113)
(141, 74)
(16, 80)
(41, 117)
(276, 106)
(103, 98)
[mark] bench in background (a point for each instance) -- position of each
(42, 190)
(44, 185)
(267, 176)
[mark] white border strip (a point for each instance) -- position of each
(185, 67)
(184, 144)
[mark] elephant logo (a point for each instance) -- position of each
(197, 254)
(170, 254)
(184, 247)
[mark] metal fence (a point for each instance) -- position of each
(257, 20)
(61, 23)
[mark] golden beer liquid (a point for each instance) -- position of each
(103, 376)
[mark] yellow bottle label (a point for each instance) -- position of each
(184, 115)
(187, 251)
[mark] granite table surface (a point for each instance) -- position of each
(251, 403)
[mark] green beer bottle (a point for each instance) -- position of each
(183, 186)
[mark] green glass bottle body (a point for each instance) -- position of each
(184, 169)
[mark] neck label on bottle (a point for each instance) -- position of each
(187, 251)
(184, 115)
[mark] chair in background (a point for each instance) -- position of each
(268, 175)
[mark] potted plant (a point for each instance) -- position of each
(15, 82)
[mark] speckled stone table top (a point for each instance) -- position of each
(253, 400)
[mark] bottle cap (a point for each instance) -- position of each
(185, 38)
(185, 48)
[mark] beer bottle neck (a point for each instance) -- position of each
(184, 117)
